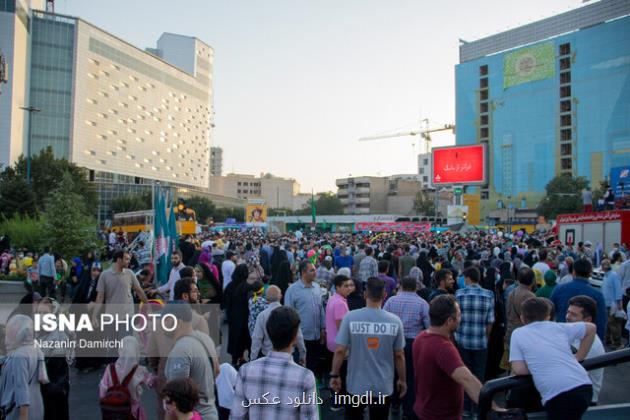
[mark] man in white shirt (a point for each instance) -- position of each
(227, 268)
(542, 348)
(173, 276)
(583, 309)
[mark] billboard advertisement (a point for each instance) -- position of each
(462, 165)
(256, 212)
(619, 180)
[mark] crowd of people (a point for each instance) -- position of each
(388, 322)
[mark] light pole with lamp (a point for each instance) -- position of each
(30, 111)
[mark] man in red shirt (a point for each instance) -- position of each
(441, 375)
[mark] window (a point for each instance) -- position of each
(566, 163)
(421, 171)
(565, 49)
(425, 161)
(565, 63)
(425, 178)
(483, 107)
(483, 133)
(565, 134)
(483, 95)
(483, 82)
(484, 120)
(565, 149)
(483, 70)
(565, 106)
(565, 120)
(565, 77)
(565, 91)
(485, 195)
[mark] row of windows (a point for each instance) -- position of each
(566, 132)
(139, 66)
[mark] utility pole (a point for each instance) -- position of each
(30, 111)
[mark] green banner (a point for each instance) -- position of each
(528, 65)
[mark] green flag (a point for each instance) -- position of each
(528, 64)
(313, 210)
(172, 232)
(160, 254)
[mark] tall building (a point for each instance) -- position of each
(276, 191)
(216, 161)
(131, 117)
(548, 98)
(15, 39)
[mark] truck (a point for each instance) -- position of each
(600, 227)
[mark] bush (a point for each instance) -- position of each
(24, 231)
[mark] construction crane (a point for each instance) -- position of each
(425, 133)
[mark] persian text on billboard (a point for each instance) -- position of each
(459, 165)
(406, 227)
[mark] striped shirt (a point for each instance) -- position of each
(412, 310)
(267, 388)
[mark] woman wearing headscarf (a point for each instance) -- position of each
(23, 372)
(55, 393)
(128, 361)
(236, 305)
(284, 277)
(27, 305)
(210, 290)
(256, 272)
(550, 284)
(206, 253)
(424, 264)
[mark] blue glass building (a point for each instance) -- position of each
(548, 98)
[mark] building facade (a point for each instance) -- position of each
(548, 98)
(276, 191)
(216, 161)
(130, 117)
(379, 195)
(424, 169)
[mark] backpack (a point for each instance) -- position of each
(116, 404)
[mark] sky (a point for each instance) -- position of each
(297, 82)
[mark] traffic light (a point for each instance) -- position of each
(458, 190)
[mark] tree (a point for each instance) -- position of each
(204, 207)
(423, 204)
(16, 196)
(128, 203)
(46, 173)
(24, 231)
(68, 230)
(563, 195)
(280, 211)
(327, 203)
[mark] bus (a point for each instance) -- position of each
(134, 222)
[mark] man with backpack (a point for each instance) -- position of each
(193, 356)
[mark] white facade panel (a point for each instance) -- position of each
(136, 115)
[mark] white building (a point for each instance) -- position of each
(216, 161)
(276, 191)
(424, 169)
(130, 117)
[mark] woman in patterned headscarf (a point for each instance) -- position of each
(23, 372)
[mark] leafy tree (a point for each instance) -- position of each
(423, 204)
(134, 202)
(204, 207)
(69, 231)
(563, 195)
(281, 211)
(16, 195)
(327, 203)
(46, 173)
(220, 215)
(24, 231)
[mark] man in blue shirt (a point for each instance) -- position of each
(580, 286)
(305, 296)
(611, 289)
(47, 274)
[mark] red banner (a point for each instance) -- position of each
(406, 227)
(459, 165)
(600, 216)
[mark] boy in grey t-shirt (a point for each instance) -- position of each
(375, 340)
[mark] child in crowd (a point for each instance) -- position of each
(179, 397)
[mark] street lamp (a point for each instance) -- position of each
(30, 111)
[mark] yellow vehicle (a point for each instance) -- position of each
(142, 221)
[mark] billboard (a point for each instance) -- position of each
(464, 165)
(406, 227)
(620, 180)
(529, 64)
(256, 212)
